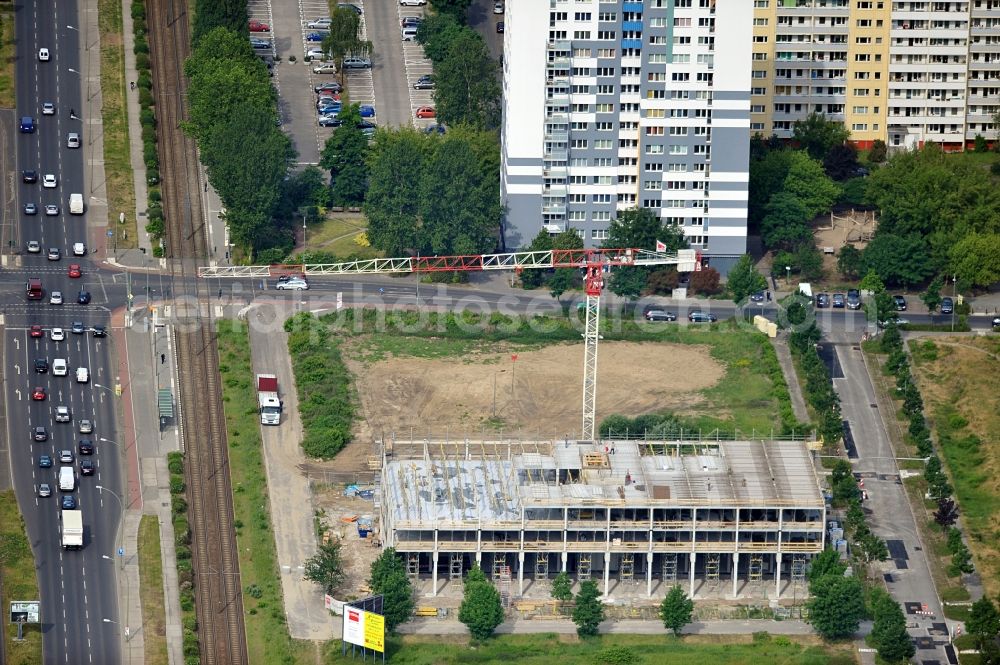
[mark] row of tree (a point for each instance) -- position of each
(818, 388)
(938, 486)
(155, 226)
(466, 77)
(235, 120)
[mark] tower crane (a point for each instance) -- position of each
(596, 264)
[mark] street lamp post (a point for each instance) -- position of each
(954, 298)
(788, 275)
(128, 636)
(121, 527)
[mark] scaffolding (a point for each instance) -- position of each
(504, 586)
(669, 567)
(627, 571)
(712, 567)
(499, 566)
(756, 569)
(541, 567)
(412, 564)
(455, 565)
(583, 568)
(798, 573)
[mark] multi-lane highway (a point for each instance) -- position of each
(78, 587)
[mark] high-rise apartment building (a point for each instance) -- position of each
(904, 72)
(612, 104)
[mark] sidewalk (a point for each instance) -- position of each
(791, 378)
(565, 626)
(135, 132)
(149, 483)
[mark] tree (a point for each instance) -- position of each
(211, 14)
(456, 9)
(809, 261)
(344, 38)
(946, 513)
(841, 162)
(307, 190)
(459, 199)
(932, 297)
(878, 152)
(983, 622)
(345, 155)
(662, 282)
(889, 635)
(837, 606)
(466, 86)
(975, 259)
(641, 229)
(393, 198)
(872, 547)
(436, 34)
(562, 587)
(899, 259)
(826, 563)
(767, 176)
(744, 279)
(961, 562)
(705, 282)
(807, 181)
(589, 612)
(872, 282)
(563, 280)
(818, 135)
(850, 262)
(326, 567)
(786, 222)
(388, 577)
(481, 610)
(676, 610)
(532, 279)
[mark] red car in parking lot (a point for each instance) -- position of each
(258, 26)
(425, 112)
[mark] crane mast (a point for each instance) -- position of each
(596, 264)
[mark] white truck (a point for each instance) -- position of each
(72, 535)
(267, 399)
(76, 204)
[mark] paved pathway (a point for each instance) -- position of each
(630, 626)
(135, 129)
(791, 378)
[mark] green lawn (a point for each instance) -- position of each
(154, 619)
(114, 116)
(546, 649)
(17, 568)
(337, 235)
(267, 635)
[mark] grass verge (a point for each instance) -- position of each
(544, 649)
(959, 379)
(267, 633)
(114, 116)
(154, 618)
(17, 570)
(7, 87)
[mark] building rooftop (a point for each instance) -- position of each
(493, 482)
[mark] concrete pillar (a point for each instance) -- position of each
(777, 576)
(434, 573)
(565, 558)
(649, 574)
(607, 572)
(736, 576)
(520, 573)
(479, 558)
(694, 559)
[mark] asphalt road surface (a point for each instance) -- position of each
(78, 588)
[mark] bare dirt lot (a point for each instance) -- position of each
(539, 394)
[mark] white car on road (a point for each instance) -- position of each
(43, 54)
(82, 375)
(49, 181)
(59, 365)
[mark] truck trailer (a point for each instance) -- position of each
(72, 535)
(267, 399)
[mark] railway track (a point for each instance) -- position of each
(221, 627)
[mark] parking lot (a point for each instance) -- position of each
(387, 85)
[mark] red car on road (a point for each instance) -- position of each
(38, 394)
(74, 270)
(425, 112)
(36, 331)
(258, 26)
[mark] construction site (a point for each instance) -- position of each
(724, 519)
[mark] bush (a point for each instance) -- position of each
(145, 81)
(142, 61)
(145, 98)
(177, 485)
(147, 118)
(148, 134)
(175, 462)
(141, 46)
(705, 282)
(138, 11)
(178, 505)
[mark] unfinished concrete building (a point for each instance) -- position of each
(632, 515)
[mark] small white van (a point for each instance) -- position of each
(67, 479)
(408, 34)
(76, 204)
